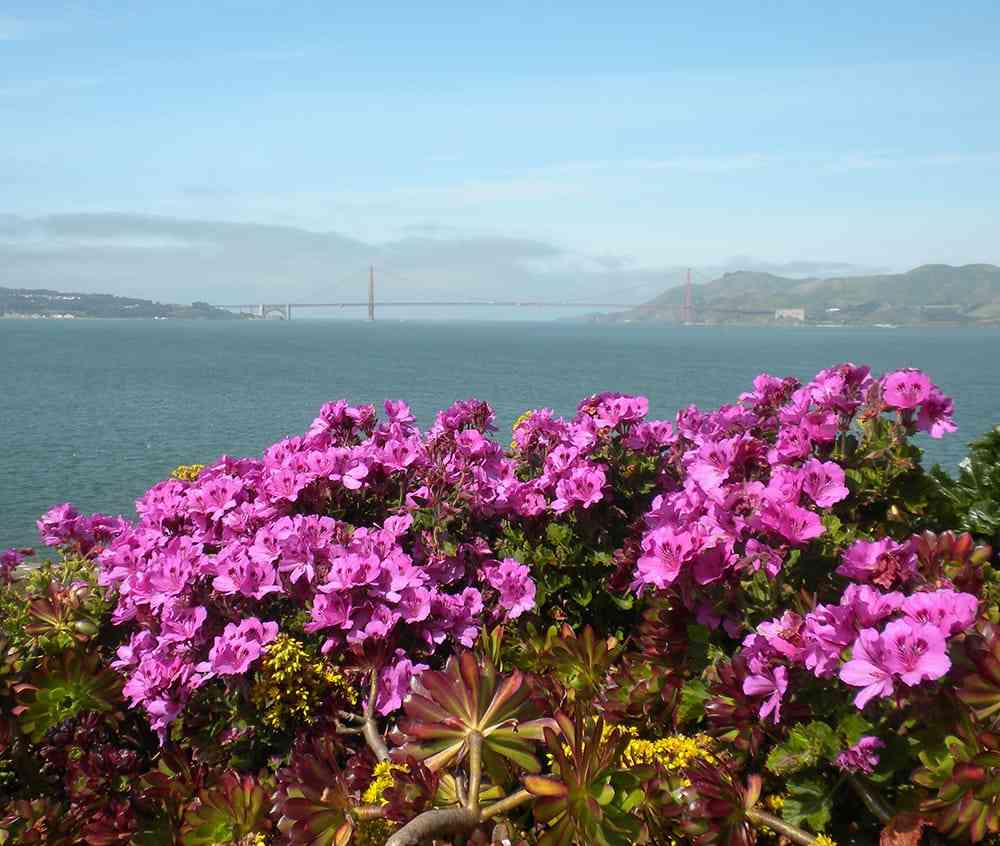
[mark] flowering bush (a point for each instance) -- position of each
(736, 625)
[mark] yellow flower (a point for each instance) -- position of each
(187, 472)
(825, 840)
(382, 780)
(673, 753)
(293, 683)
(775, 802)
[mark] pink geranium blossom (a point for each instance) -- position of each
(868, 668)
(771, 684)
(906, 389)
(861, 757)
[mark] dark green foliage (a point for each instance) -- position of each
(972, 499)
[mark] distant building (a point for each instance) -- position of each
(796, 314)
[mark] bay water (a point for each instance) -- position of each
(96, 411)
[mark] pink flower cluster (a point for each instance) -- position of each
(893, 638)
(749, 483)
(379, 534)
(912, 392)
(9, 559)
(63, 526)
(325, 521)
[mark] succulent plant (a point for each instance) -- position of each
(965, 775)
(64, 687)
(580, 661)
(720, 807)
(730, 713)
(232, 808)
(954, 558)
(589, 799)
(37, 821)
(980, 688)
(469, 697)
(61, 617)
(312, 799)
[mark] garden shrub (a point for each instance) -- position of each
(752, 623)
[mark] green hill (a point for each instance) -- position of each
(27, 302)
(932, 293)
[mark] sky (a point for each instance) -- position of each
(577, 146)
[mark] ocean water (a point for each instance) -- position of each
(96, 411)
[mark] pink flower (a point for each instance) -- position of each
(238, 573)
(915, 651)
(665, 551)
(868, 668)
(239, 646)
(905, 389)
(823, 482)
(517, 589)
(771, 683)
(583, 487)
(394, 683)
(935, 415)
(883, 562)
(795, 524)
(951, 612)
(784, 635)
(861, 757)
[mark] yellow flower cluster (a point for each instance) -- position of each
(775, 802)
(293, 683)
(825, 840)
(673, 753)
(187, 472)
(382, 780)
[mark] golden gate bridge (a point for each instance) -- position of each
(284, 310)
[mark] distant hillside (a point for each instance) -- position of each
(24, 302)
(933, 293)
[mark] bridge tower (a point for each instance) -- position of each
(371, 292)
(688, 316)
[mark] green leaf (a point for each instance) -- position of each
(694, 694)
(806, 745)
(808, 802)
(852, 727)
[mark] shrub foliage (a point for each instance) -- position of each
(764, 623)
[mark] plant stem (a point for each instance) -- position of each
(422, 826)
(370, 729)
(505, 804)
(761, 819)
(475, 770)
(873, 802)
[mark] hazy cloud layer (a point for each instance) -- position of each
(184, 260)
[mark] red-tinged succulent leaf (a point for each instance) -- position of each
(468, 697)
(980, 689)
(538, 785)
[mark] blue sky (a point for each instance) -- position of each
(643, 134)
